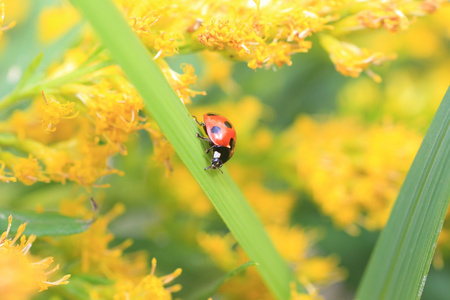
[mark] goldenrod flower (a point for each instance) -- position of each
(2, 18)
(6, 176)
(218, 70)
(264, 34)
(128, 271)
(181, 82)
(149, 287)
(53, 111)
(55, 21)
(342, 167)
(311, 295)
(394, 15)
(26, 170)
(351, 60)
(21, 275)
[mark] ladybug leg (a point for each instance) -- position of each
(202, 137)
(209, 149)
(196, 121)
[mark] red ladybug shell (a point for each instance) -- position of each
(220, 131)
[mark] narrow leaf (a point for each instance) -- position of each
(400, 262)
(29, 71)
(42, 224)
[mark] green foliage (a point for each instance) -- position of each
(399, 265)
(43, 224)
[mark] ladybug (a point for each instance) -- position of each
(221, 138)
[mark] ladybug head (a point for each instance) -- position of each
(216, 163)
(220, 156)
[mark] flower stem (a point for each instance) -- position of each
(50, 83)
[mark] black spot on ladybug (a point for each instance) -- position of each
(228, 124)
(232, 143)
(215, 129)
(211, 114)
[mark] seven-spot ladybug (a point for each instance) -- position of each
(222, 139)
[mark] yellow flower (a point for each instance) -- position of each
(150, 287)
(353, 172)
(26, 170)
(162, 149)
(220, 249)
(17, 11)
(6, 176)
(311, 295)
(167, 44)
(128, 271)
(218, 70)
(351, 60)
(20, 275)
(291, 242)
(264, 36)
(55, 21)
(181, 82)
(2, 18)
(114, 107)
(320, 270)
(393, 14)
(186, 191)
(92, 246)
(53, 112)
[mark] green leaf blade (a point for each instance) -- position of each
(400, 262)
(43, 224)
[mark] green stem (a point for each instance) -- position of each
(51, 83)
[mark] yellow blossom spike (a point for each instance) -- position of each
(2, 18)
(55, 21)
(5, 176)
(52, 270)
(312, 293)
(26, 170)
(152, 272)
(5, 234)
(53, 111)
(174, 288)
(19, 232)
(25, 277)
(168, 278)
(44, 263)
(351, 60)
(63, 280)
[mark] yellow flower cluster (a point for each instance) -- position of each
(21, 274)
(71, 130)
(351, 60)
(394, 15)
(267, 33)
(353, 172)
(129, 272)
(2, 19)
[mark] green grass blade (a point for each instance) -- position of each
(400, 262)
(179, 128)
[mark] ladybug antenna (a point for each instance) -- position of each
(212, 167)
